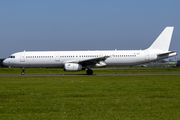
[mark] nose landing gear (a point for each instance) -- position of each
(23, 71)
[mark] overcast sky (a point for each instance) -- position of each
(37, 25)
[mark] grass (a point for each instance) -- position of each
(120, 70)
(90, 97)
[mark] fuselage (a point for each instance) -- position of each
(58, 58)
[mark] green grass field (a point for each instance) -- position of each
(91, 97)
(120, 70)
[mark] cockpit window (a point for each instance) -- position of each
(11, 57)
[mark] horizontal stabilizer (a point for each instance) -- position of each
(168, 53)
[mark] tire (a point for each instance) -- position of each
(89, 72)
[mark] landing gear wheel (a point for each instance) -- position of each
(89, 72)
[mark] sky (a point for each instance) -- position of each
(59, 25)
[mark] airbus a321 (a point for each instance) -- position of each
(82, 60)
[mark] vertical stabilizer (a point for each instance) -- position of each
(163, 40)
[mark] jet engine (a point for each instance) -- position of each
(72, 67)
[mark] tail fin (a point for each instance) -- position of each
(163, 40)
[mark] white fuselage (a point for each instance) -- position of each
(59, 58)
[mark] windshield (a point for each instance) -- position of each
(11, 57)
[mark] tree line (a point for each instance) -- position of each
(1, 64)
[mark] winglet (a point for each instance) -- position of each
(163, 41)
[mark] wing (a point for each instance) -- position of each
(98, 62)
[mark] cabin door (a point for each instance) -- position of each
(22, 57)
(146, 55)
(57, 59)
(100, 55)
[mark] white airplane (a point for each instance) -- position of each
(81, 60)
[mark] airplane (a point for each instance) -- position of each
(82, 60)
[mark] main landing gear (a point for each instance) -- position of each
(23, 71)
(89, 72)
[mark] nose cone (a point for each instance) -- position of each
(5, 62)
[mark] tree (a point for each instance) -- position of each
(1, 63)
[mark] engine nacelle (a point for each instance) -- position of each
(72, 67)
